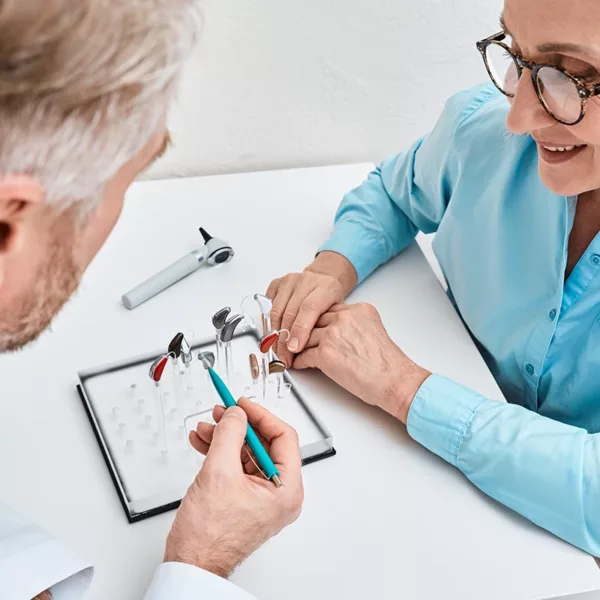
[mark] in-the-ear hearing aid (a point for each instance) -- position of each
(214, 252)
(276, 367)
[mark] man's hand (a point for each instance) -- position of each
(351, 346)
(44, 596)
(299, 299)
(230, 509)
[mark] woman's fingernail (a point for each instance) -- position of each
(293, 345)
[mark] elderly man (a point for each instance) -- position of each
(84, 91)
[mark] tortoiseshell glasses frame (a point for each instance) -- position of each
(571, 83)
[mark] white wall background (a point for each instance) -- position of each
(289, 83)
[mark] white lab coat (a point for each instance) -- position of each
(32, 561)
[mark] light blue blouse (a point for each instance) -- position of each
(502, 245)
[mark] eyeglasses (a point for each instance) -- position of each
(564, 96)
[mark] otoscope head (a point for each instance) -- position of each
(217, 251)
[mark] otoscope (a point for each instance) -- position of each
(214, 252)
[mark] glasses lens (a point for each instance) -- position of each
(560, 94)
(503, 68)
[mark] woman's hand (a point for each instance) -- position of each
(299, 299)
(351, 346)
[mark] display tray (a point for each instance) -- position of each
(152, 466)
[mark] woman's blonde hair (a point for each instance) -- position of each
(84, 84)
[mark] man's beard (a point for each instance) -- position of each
(56, 280)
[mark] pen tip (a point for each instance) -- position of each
(275, 479)
(207, 359)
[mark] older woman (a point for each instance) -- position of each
(509, 180)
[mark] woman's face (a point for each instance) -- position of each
(566, 34)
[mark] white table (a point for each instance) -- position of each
(384, 519)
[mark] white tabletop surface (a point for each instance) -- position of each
(384, 519)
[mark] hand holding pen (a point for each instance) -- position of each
(278, 439)
(231, 509)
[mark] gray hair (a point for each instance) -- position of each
(84, 85)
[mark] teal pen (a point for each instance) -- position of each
(264, 460)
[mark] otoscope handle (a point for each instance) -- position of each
(161, 281)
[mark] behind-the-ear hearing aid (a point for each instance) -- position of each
(180, 349)
(175, 345)
(229, 328)
(220, 317)
(157, 368)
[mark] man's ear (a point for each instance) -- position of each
(19, 194)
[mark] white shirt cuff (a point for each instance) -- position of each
(46, 566)
(179, 581)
